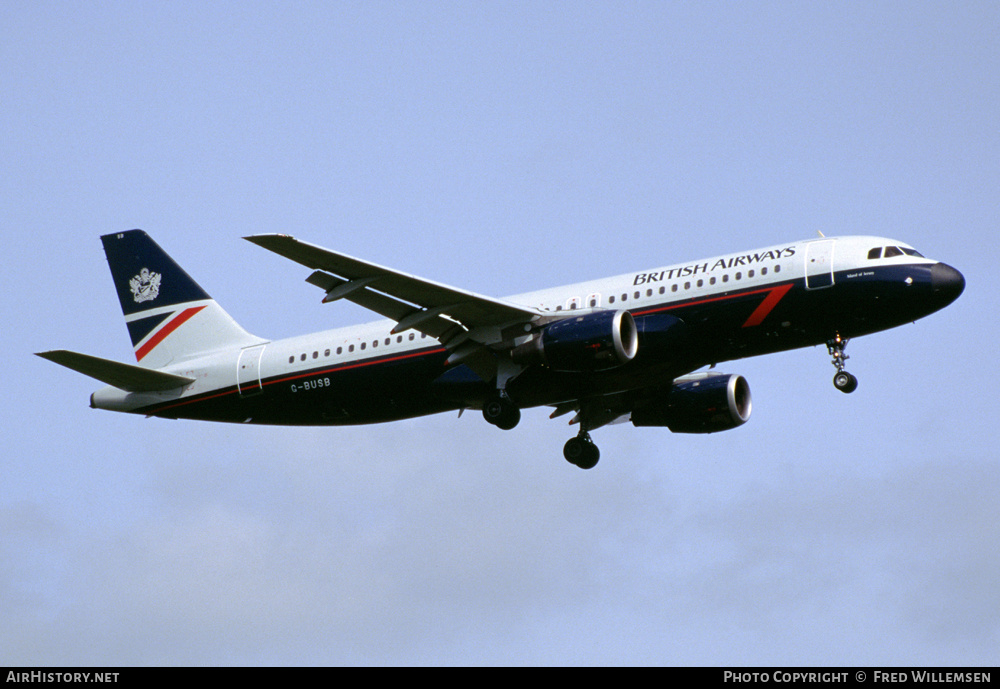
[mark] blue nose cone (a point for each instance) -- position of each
(946, 283)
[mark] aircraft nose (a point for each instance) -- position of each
(946, 282)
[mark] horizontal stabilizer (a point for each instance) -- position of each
(123, 376)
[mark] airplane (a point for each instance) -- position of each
(619, 349)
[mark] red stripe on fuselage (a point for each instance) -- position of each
(170, 326)
(766, 306)
(774, 295)
(307, 374)
(357, 364)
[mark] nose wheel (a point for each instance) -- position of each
(843, 381)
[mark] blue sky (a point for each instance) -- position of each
(501, 148)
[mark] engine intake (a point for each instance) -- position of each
(590, 342)
(702, 403)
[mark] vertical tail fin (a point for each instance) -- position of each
(169, 316)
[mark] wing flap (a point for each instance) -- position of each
(406, 315)
(123, 376)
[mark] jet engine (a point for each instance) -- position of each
(699, 403)
(590, 342)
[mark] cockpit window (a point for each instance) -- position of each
(891, 251)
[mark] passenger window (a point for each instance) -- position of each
(777, 269)
(749, 273)
(673, 287)
(302, 358)
(875, 253)
(739, 275)
(350, 348)
(701, 282)
(291, 359)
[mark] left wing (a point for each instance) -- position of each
(454, 316)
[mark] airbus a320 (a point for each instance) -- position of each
(625, 348)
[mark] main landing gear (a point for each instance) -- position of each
(581, 451)
(843, 381)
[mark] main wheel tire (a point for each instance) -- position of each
(573, 450)
(581, 452)
(502, 413)
(510, 419)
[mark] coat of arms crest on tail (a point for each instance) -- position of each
(145, 286)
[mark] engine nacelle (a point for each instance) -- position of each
(700, 403)
(590, 342)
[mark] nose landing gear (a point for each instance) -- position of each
(843, 381)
